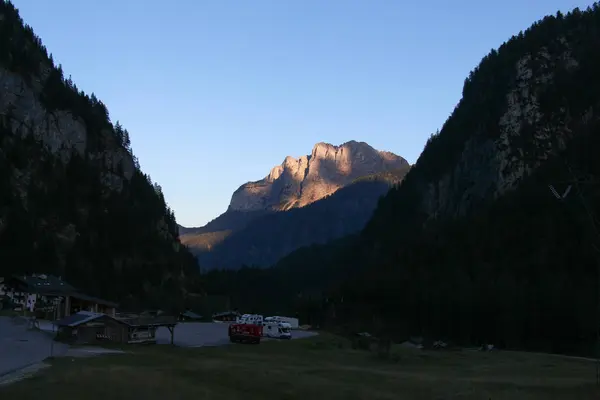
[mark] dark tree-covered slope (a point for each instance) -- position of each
(231, 220)
(473, 246)
(266, 239)
(73, 201)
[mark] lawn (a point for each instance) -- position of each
(323, 367)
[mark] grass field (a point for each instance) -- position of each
(323, 367)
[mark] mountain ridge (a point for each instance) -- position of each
(298, 182)
(74, 201)
(361, 173)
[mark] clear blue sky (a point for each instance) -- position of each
(215, 93)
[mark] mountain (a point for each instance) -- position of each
(299, 182)
(73, 200)
(473, 246)
(269, 218)
(265, 240)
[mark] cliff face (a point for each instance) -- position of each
(298, 182)
(73, 201)
(479, 156)
(61, 133)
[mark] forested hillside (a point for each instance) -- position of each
(266, 239)
(315, 198)
(473, 246)
(73, 201)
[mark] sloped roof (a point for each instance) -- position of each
(79, 318)
(41, 283)
(224, 313)
(55, 286)
(93, 299)
(191, 314)
(149, 321)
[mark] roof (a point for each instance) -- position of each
(51, 285)
(226, 313)
(191, 314)
(79, 318)
(42, 283)
(86, 316)
(96, 300)
(149, 321)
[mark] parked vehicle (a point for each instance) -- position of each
(278, 330)
(250, 319)
(245, 333)
(277, 318)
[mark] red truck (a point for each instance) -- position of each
(245, 333)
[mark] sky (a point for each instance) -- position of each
(216, 93)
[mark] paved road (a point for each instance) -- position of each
(198, 334)
(20, 347)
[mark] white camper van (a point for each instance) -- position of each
(278, 330)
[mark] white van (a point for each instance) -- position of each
(278, 330)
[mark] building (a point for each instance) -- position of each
(227, 316)
(87, 327)
(6, 301)
(51, 294)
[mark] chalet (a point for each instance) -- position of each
(85, 327)
(50, 293)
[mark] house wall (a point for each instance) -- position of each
(117, 332)
(88, 334)
(65, 334)
(96, 331)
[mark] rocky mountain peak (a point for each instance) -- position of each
(297, 182)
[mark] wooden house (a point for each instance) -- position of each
(226, 316)
(87, 327)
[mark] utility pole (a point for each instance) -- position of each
(594, 238)
(55, 304)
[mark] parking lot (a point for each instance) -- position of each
(21, 347)
(197, 334)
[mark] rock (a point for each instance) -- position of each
(302, 181)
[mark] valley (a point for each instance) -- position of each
(490, 240)
(473, 245)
